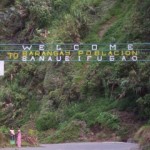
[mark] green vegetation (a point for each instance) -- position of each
(67, 100)
(143, 137)
(68, 132)
(47, 121)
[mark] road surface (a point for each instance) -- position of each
(82, 146)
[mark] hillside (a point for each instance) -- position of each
(76, 101)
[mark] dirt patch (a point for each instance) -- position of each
(102, 134)
(143, 135)
(129, 125)
(3, 140)
(104, 28)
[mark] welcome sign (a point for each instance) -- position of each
(75, 52)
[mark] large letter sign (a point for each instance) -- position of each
(75, 52)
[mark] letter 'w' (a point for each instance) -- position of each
(26, 47)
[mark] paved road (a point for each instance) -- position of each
(83, 146)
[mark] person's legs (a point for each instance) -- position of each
(13, 137)
(19, 141)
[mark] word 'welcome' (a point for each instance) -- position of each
(75, 52)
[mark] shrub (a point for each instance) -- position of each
(7, 3)
(4, 129)
(40, 12)
(144, 106)
(69, 132)
(47, 121)
(109, 120)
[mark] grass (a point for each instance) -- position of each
(89, 111)
(68, 132)
(143, 135)
(78, 118)
(63, 29)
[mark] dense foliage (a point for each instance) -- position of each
(56, 94)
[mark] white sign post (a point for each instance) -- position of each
(1, 68)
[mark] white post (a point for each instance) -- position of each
(1, 68)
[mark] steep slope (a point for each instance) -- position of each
(61, 96)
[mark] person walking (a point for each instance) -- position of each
(19, 138)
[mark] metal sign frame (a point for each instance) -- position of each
(74, 52)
